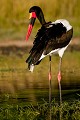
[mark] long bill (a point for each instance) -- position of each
(31, 24)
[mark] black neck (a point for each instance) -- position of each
(41, 18)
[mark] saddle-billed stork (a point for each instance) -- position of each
(52, 37)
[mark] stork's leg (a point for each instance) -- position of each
(50, 77)
(59, 79)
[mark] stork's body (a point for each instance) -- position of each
(52, 37)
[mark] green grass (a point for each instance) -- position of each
(68, 111)
(14, 16)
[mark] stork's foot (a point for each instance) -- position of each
(59, 76)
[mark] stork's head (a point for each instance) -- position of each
(35, 12)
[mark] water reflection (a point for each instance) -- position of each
(32, 88)
(17, 82)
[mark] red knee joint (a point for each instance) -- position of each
(59, 76)
(50, 76)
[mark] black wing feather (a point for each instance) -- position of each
(48, 38)
(58, 42)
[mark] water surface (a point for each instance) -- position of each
(17, 84)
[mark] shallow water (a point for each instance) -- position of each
(17, 84)
(38, 91)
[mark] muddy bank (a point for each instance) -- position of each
(20, 47)
(14, 50)
(25, 49)
(15, 47)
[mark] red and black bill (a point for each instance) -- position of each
(31, 24)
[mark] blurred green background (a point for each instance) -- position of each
(14, 15)
(15, 78)
(14, 20)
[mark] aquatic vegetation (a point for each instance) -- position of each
(69, 111)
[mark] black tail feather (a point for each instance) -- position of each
(38, 62)
(29, 61)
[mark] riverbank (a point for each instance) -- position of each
(14, 46)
